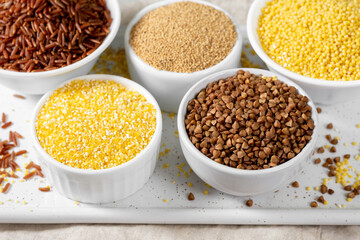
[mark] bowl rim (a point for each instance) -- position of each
(251, 25)
(114, 8)
(148, 67)
(224, 168)
(123, 81)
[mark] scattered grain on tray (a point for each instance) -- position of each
(6, 125)
(112, 61)
(317, 39)
(329, 161)
(29, 175)
(183, 37)
(246, 62)
(332, 173)
(46, 35)
(95, 120)
(323, 189)
(328, 137)
(333, 149)
(348, 188)
(351, 195)
(249, 122)
(331, 191)
(320, 150)
(334, 141)
(44, 189)
(249, 203)
(321, 199)
(319, 110)
(6, 188)
(317, 161)
(295, 184)
(19, 96)
(191, 197)
(314, 204)
(329, 126)
(336, 159)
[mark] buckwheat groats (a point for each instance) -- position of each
(38, 35)
(183, 37)
(95, 124)
(249, 122)
(317, 39)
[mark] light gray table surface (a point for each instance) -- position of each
(238, 9)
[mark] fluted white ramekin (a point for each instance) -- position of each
(169, 87)
(107, 185)
(235, 181)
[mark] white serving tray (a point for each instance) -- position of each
(287, 206)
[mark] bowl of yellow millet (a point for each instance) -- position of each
(314, 43)
(97, 137)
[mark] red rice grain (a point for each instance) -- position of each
(44, 189)
(14, 175)
(29, 175)
(30, 165)
(39, 173)
(8, 124)
(16, 134)
(20, 152)
(6, 188)
(33, 165)
(19, 96)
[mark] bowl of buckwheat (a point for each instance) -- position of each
(247, 131)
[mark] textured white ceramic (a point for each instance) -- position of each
(42, 82)
(169, 87)
(107, 185)
(321, 91)
(237, 181)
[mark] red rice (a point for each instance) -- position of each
(38, 35)
(29, 175)
(6, 188)
(19, 96)
(44, 189)
(8, 124)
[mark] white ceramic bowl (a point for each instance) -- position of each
(169, 87)
(42, 82)
(321, 91)
(107, 185)
(238, 181)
